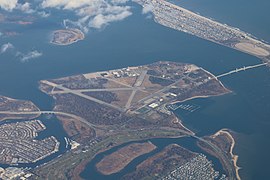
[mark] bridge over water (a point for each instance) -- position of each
(241, 69)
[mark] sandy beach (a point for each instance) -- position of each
(234, 157)
(252, 49)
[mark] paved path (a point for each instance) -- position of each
(241, 69)
(73, 116)
(83, 95)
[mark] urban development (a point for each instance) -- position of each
(127, 107)
(176, 17)
(18, 143)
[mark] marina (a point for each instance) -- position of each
(244, 111)
(186, 107)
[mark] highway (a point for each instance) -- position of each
(227, 162)
(241, 69)
(229, 166)
(73, 116)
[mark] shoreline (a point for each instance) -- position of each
(234, 156)
(84, 163)
(227, 91)
(66, 44)
(78, 36)
(123, 157)
(249, 38)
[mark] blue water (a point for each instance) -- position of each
(91, 172)
(248, 15)
(139, 40)
(53, 128)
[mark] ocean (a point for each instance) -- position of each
(138, 40)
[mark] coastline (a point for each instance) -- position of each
(123, 156)
(81, 167)
(66, 44)
(57, 39)
(226, 90)
(255, 47)
(234, 156)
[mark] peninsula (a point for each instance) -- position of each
(66, 36)
(178, 18)
(224, 140)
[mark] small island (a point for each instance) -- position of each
(118, 160)
(66, 36)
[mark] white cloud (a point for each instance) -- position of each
(147, 8)
(81, 24)
(43, 14)
(8, 5)
(29, 56)
(100, 20)
(23, 57)
(119, 1)
(5, 47)
(26, 8)
(92, 13)
(66, 4)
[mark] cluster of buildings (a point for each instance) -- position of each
(198, 168)
(126, 72)
(181, 19)
(14, 173)
(19, 143)
(157, 103)
(161, 101)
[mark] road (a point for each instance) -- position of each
(227, 162)
(79, 92)
(140, 79)
(241, 69)
(91, 90)
(223, 157)
(75, 117)
(67, 90)
(137, 85)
